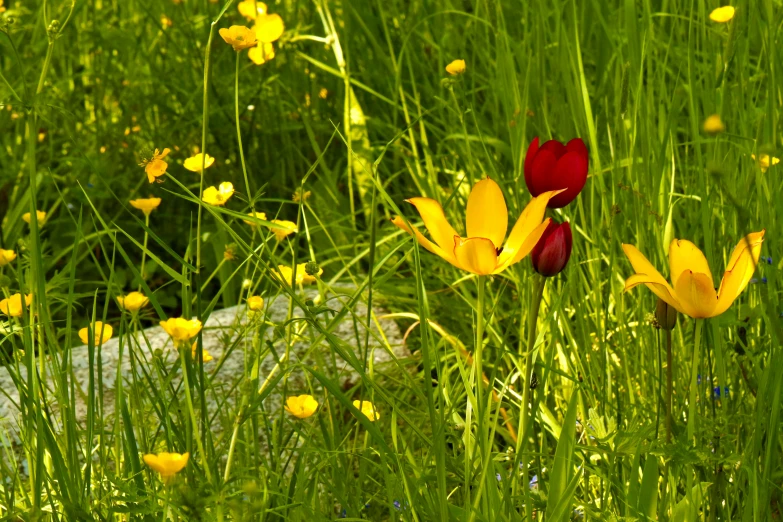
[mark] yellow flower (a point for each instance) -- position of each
(100, 332)
(269, 27)
(368, 409)
(285, 228)
(765, 162)
(255, 303)
(156, 167)
(145, 205)
(193, 163)
(323, 93)
(456, 67)
(133, 302)
(205, 355)
(250, 9)
(167, 464)
(12, 306)
(39, 213)
(694, 292)
(302, 277)
(165, 21)
(181, 329)
(239, 37)
(2, 9)
(722, 15)
(482, 252)
(298, 195)
(218, 196)
(6, 256)
(302, 406)
(714, 125)
(257, 215)
(262, 53)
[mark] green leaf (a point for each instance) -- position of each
(560, 491)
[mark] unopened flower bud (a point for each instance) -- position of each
(312, 268)
(551, 253)
(665, 315)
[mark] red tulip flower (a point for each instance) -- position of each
(554, 166)
(552, 252)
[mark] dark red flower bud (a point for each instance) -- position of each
(554, 166)
(551, 253)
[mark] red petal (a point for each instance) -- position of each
(578, 146)
(541, 172)
(555, 147)
(569, 173)
(532, 150)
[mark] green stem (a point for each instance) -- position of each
(669, 370)
(205, 121)
(144, 252)
(693, 387)
(239, 135)
(528, 416)
(185, 346)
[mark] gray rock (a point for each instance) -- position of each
(232, 338)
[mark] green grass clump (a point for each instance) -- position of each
(351, 112)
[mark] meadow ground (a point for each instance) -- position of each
(524, 397)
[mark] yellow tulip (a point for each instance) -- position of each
(39, 213)
(482, 252)
(156, 167)
(285, 228)
(218, 195)
(133, 302)
(181, 329)
(723, 14)
(302, 406)
(239, 37)
(145, 205)
(100, 332)
(368, 409)
(269, 28)
(167, 464)
(6, 256)
(12, 306)
(456, 67)
(694, 292)
(193, 163)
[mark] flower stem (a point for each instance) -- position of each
(528, 416)
(189, 399)
(204, 124)
(144, 252)
(239, 134)
(669, 383)
(693, 387)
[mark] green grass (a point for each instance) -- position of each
(85, 102)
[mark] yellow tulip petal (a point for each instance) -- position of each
(448, 255)
(508, 257)
(642, 266)
(665, 292)
(741, 267)
(696, 294)
(476, 254)
(487, 215)
(684, 255)
(530, 219)
(435, 221)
